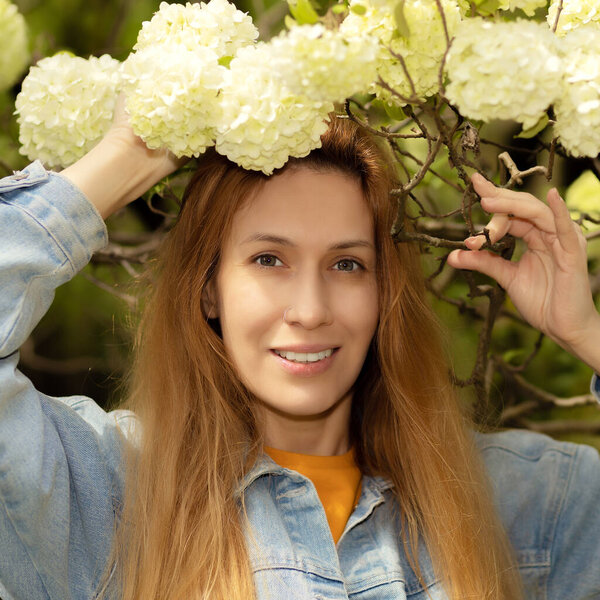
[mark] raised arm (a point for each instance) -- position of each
(60, 478)
(120, 168)
(549, 284)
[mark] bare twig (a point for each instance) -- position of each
(131, 301)
(558, 11)
(379, 132)
(134, 254)
(516, 176)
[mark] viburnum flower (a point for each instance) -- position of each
(65, 106)
(263, 122)
(527, 6)
(172, 96)
(578, 106)
(503, 70)
(574, 13)
(321, 64)
(14, 54)
(422, 44)
(217, 25)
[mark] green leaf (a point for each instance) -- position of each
(357, 9)
(393, 112)
(225, 60)
(582, 195)
(401, 22)
(303, 12)
(289, 22)
(487, 7)
(338, 9)
(533, 131)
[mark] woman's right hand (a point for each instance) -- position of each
(120, 168)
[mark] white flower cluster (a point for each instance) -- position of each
(263, 122)
(198, 78)
(527, 6)
(420, 42)
(320, 63)
(578, 107)
(14, 54)
(573, 14)
(503, 70)
(173, 79)
(65, 106)
(217, 25)
(172, 97)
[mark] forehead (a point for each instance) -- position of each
(306, 205)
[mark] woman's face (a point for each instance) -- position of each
(304, 245)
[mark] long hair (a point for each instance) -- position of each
(181, 532)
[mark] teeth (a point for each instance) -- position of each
(305, 356)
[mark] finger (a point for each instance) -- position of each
(484, 187)
(500, 269)
(497, 228)
(567, 231)
(521, 205)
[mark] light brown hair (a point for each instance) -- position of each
(181, 535)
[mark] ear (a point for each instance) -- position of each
(210, 300)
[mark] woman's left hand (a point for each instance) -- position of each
(549, 285)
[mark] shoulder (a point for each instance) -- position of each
(546, 492)
(522, 444)
(531, 471)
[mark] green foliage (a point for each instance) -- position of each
(536, 129)
(303, 12)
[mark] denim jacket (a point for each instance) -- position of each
(61, 485)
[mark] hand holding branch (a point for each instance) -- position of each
(549, 285)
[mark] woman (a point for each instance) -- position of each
(287, 344)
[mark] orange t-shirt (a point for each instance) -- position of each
(337, 480)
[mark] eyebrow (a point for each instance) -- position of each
(275, 239)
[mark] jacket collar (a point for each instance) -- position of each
(265, 465)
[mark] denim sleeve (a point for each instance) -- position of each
(58, 456)
(575, 573)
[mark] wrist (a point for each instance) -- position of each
(587, 347)
(119, 169)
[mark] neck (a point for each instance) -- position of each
(326, 434)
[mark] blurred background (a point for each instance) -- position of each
(83, 344)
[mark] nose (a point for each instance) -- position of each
(309, 305)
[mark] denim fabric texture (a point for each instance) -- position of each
(61, 485)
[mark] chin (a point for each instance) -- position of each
(301, 405)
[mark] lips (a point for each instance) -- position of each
(304, 356)
(307, 368)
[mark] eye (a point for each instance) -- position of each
(267, 260)
(347, 265)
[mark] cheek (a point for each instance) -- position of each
(359, 309)
(248, 313)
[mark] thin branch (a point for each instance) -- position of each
(558, 11)
(379, 132)
(409, 236)
(136, 254)
(550, 168)
(516, 176)
(509, 147)
(130, 300)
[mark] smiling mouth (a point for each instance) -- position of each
(305, 357)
